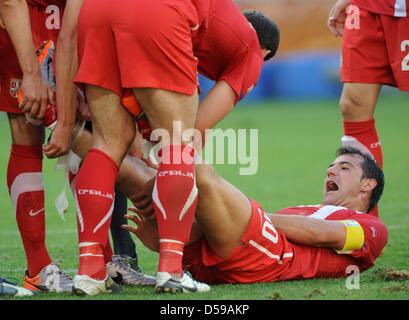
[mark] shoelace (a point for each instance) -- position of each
(61, 275)
(122, 265)
(8, 281)
(3, 280)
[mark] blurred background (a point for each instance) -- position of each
(308, 60)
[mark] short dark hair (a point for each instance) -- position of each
(371, 170)
(267, 31)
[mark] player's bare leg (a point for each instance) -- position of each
(175, 192)
(358, 103)
(113, 132)
(222, 215)
(133, 172)
(223, 211)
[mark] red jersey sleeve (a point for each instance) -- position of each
(397, 8)
(243, 73)
(375, 239)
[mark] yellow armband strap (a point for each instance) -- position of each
(354, 238)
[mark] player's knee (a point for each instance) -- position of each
(353, 109)
(25, 133)
(118, 140)
(205, 176)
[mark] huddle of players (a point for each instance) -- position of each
(108, 63)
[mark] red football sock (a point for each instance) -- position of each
(94, 194)
(91, 258)
(25, 183)
(108, 252)
(175, 200)
(363, 136)
(71, 180)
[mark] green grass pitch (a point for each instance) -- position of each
(297, 141)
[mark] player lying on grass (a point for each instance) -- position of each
(235, 69)
(375, 51)
(233, 240)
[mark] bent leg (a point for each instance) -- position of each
(113, 131)
(133, 172)
(223, 212)
(175, 192)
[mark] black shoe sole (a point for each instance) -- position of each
(162, 289)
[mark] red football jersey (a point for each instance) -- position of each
(227, 46)
(396, 8)
(323, 262)
(266, 255)
(45, 3)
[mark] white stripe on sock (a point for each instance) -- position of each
(86, 244)
(25, 182)
(170, 240)
(156, 200)
(190, 200)
(91, 255)
(106, 218)
(79, 213)
(174, 251)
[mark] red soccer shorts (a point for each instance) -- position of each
(377, 52)
(10, 72)
(138, 44)
(264, 256)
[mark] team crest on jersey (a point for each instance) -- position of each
(15, 84)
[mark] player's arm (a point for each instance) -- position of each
(215, 107)
(339, 235)
(36, 93)
(66, 69)
(337, 17)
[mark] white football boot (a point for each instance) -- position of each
(85, 285)
(50, 279)
(165, 283)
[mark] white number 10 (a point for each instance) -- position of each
(405, 61)
(270, 232)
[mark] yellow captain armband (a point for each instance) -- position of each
(354, 238)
